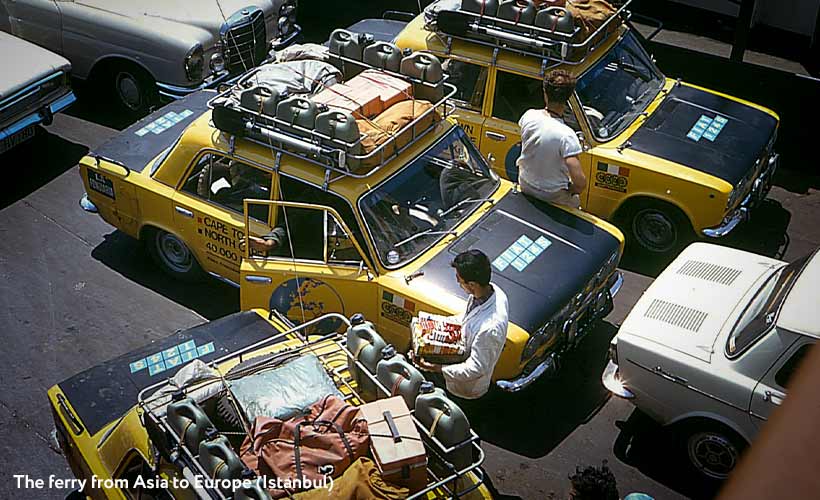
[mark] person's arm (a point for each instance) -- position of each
(578, 181)
(485, 348)
(269, 242)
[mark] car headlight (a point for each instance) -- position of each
(195, 63)
(217, 62)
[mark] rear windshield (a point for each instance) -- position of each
(761, 313)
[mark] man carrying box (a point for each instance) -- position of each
(484, 326)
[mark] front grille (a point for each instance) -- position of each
(676, 315)
(709, 272)
(245, 41)
(30, 98)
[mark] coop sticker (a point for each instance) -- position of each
(171, 358)
(521, 253)
(397, 308)
(707, 128)
(164, 122)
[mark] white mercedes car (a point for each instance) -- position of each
(711, 345)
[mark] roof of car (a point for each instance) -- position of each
(801, 309)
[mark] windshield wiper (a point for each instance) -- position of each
(463, 202)
(426, 232)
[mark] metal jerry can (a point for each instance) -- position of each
(427, 68)
(445, 421)
(298, 111)
(555, 19)
(260, 99)
(521, 13)
(480, 7)
(218, 458)
(399, 376)
(188, 420)
(366, 346)
(383, 55)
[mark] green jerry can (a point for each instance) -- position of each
(298, 111)
(383, 55)
(480, 7)
(445, 421)
(365, 344)
(188, 420)
(521, 13)
(427, 68)
(399, 376)
(261, 99)
(555, 19)
(218, 458)
(350, 45)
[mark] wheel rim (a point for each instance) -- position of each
(129, 90)
(173, 253)
(713, 454)
(655, 230)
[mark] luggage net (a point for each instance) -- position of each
(373, 103)
(528, 27)
(209, 394)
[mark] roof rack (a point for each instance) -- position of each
(345, 158)
(555, 46)
(331, 349)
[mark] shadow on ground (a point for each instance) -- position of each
(125, 255)
(35, 163)
(657, 454)
(537, 419)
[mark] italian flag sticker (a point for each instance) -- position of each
(613, 169)
(399, 301)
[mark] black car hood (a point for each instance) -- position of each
(672, 133)
(576, 250)
(105, 392)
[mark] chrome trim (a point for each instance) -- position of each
(39, 116)
(184, 211)
(223, 279)
(729, 223)
(281, 44)
(263, 280)
(175, 92)
(88, 205)
(616, 286)
(25, 92)
(517, 384)
(613, 383)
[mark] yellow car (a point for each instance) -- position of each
(666, 161)
(377, 239)
(113, 421)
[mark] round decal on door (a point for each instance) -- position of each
(304, 299)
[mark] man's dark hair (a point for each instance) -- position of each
(594, 483)
(559, 85)
(473, 265)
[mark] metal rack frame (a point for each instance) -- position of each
(150, 402)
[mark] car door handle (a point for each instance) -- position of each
(184, 211)
(670, 377)
(772, 398)
(495, 136)
(263, 280)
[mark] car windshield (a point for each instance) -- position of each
(761, 313)
(618, 88)
(426, 199)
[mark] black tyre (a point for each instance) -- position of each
(655, 228)
(172, 255)
(712, 450)
(132, 89)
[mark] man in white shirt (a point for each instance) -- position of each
(549, 168)
(484, 326)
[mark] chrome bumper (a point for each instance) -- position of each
(758, 193)
(43, 115)
(613, 383)
(550, 364)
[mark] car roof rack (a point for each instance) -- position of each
(331, 349)
(340, 158)
(554, 47)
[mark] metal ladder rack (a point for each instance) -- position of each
(335, 156)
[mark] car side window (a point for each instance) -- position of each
(469, 80)
(785, 373)
(136, 467)
(227, 182)
(515, 94)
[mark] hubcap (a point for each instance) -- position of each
(128, 90)
(173, 253)
(655, 230)
(712, 454)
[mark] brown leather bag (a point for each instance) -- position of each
(590, 15)
(361, 481)
(306, 448)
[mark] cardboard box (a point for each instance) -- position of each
(367, 94)
(437, 339)
(395, 442)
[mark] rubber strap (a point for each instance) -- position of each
(394, 391)
(435, 423)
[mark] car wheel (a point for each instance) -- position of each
(133, 88)
(713, 452)
(173, 256)
(656, 228)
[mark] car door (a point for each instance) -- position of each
(770, 392)
(319, 269)
(38, 21)
(470, 79)
(208, 209)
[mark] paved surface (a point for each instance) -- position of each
(75, 292)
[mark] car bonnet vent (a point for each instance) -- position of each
(676, 314)
(709, 272)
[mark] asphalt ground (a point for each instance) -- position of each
(75, 292)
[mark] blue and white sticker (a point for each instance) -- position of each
(707, 128)
(171, 357)
(521, 253)
(164, 122)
